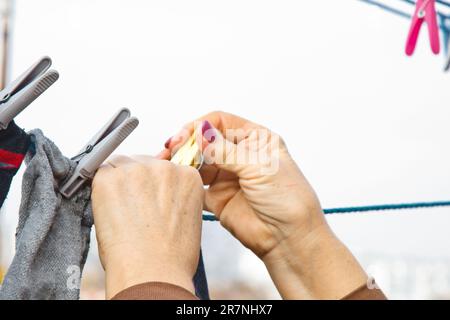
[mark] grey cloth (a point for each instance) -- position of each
(53, 234)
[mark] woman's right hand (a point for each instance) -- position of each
(260, 195)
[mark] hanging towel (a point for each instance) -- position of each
(52, 239)
(14, 143)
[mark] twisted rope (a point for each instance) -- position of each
(381, 207)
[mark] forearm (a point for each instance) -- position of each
(318, 266)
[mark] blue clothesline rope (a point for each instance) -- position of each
(381, 207)
(387, 8)
(402, 13)
(444, 3)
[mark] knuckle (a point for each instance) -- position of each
(216, 113)
(187, 171)
(137, 169)
(160, 170)
(105, 179)
(275, 136)
(130, 167)
(143, 158)
(120, 158)
(102, 177)
(191, 176)
(163, 166)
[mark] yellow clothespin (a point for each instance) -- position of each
(189, 154)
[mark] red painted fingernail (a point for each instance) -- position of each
(167, 144)
(208, 131)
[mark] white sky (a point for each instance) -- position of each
(366, 124)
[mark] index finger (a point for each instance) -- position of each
(223, 121)
(220, 120)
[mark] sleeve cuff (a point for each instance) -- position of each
(366, 293)
(155, 291)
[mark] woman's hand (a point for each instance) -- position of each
(147, 216)
(260, 195)
(255, 188)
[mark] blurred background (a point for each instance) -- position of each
(366, 124)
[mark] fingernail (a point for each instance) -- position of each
(208, 131)
(173, 141)
(167, 144)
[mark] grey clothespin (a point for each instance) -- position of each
(19, 94)
(98, 149)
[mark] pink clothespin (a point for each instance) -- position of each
(425, 11)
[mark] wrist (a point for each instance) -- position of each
(124, 270)
(314, 266)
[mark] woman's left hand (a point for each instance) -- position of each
(147, 215)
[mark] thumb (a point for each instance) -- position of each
(218, 151)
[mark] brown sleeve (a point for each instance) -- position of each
(155, 291)
(364, 293)
(167, 291)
